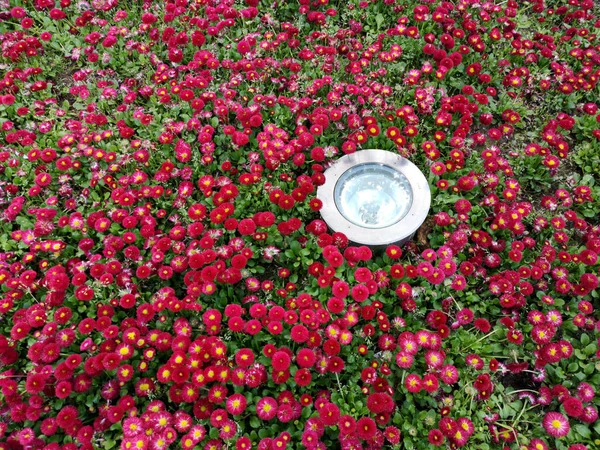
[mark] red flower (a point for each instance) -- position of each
(555, 424)
(449, 374)
(302, 377)
(236, 404)
(84, 293)
(366, 428)
(335, 259)
(246, 227)
(379, 403)
(266, 408)
(435, 437)
(335, 305)
(413, 383)
(360, 293)
(430, 383)
(482, 325)
(515, 336)
(340, 289)
(315, 204)
(589, 414)
(329, 414)
(280, 361)
(474, 361)
(404, 360)
(347, 425)
(305, 358)
(573, 407)
(144, 387)
(465, 316)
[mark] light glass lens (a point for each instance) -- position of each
(373, 195)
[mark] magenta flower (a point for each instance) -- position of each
(556, 425)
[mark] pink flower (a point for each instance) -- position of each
(538, 444)
(585, 392)
(246, 227)
(555, 424)
(413, 383)
(266, 408)
(236, 404)
(340, 289)
(281, 361)
(573, 407)
(589, 414)
(360, 293)
(243, 47)
(449, 374)
(435, 437)
(366, 428)
(404, 360)
(305, 358)
(347, 425)
(329, 414)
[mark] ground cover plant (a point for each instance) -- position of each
(166, 279)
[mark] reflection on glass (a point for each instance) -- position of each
(373, 195)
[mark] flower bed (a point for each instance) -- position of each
(166, 278)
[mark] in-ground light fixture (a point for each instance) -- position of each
(375, 197)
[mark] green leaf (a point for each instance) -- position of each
(590, 349)
(585, 339)
(589, 369)
(262, 433)
(24, 223)
(589, 213)
(582, 430)
(255, 422)
(109, 444)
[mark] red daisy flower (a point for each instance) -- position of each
(435, 437)
(537, 444)
(266, 408)
(340, 289)
(392, 435)
(281, 361)
(228, 429)
(302, 377)
(430, 383)
(555, 424)
(589, 414)
(236, 404)
(404, 360)
(413, 383)
(366, 428)
(347, 425)
(573, 407)
(305, 358)
(329, 414)
(360, 293)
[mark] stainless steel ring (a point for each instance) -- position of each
(397, 233)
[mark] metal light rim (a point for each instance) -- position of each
(398, 232)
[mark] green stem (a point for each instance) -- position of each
(337, 377)
(521, 390)
(478, 340)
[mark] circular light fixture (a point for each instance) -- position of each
(375, 198)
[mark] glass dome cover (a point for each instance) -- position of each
(373, 195)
